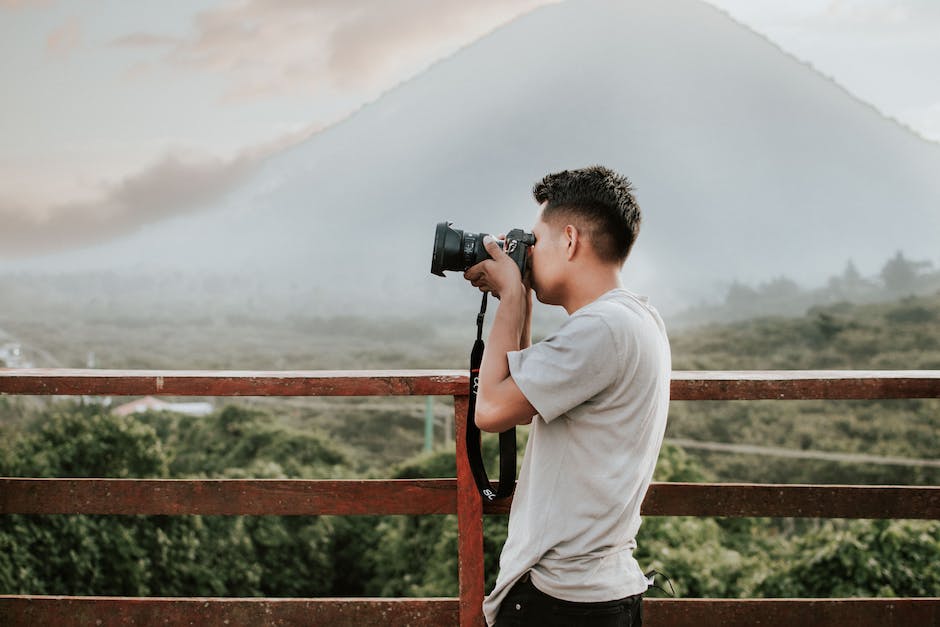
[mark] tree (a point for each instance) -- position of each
(740, 296)
(850, 285)
(77, 440)
(780, 289)
(900, 275)
(417, 555)
(893, 558)
(164, 555)
(79, 554)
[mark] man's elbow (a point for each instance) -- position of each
(488, 417)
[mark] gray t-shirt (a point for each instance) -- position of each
(600, 385)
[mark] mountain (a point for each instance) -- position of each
(748, 164)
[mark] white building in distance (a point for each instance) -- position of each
(149, 403)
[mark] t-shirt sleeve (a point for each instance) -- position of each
(567, 368)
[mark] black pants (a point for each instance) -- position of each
(527, 605)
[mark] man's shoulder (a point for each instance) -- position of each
(614, 321)
(620, 307)
(630, 321)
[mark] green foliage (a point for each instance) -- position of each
(897, 335)
(244, 442)
(742, 557)
(406, 554)
(699, 555)
(674, 464)
(86, 441)
(293, 553)
(166, 555)
(355, 554)
(900, 335)
(886, 428)
(417, 555)
(691, 552)
(861, 558)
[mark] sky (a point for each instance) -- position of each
(115, 109)
(110, 105)
(886, 52)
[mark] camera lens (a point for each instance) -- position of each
(455, 249)
(447, 249)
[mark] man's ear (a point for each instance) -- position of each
(573, 240)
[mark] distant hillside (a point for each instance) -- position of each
(748, 165)
(899, 335)
(899, 277)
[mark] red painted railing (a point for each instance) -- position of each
(444, 496)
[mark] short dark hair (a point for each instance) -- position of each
(596, 199)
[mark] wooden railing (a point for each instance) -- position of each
(447, 496)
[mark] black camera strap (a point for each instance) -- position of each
(507, 439)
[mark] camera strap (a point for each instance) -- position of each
(507, 439)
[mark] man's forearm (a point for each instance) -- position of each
(500, 403)
(509, 325)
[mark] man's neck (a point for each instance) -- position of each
(590, 286)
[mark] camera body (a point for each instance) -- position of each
(458, 250)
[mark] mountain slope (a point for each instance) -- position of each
(748, 164)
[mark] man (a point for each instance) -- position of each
(596, 393)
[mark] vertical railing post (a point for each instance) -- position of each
(470, 527)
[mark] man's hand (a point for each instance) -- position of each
(498, 275)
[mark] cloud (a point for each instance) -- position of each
(145, 40)
(261, 49)
(65, 39)
(178, 183)
(270, 48)
(22, 4)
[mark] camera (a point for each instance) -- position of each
(457, 250)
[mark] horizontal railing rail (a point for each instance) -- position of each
(446, 496)
(60, 610)
(713, 385)
(307, 497)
